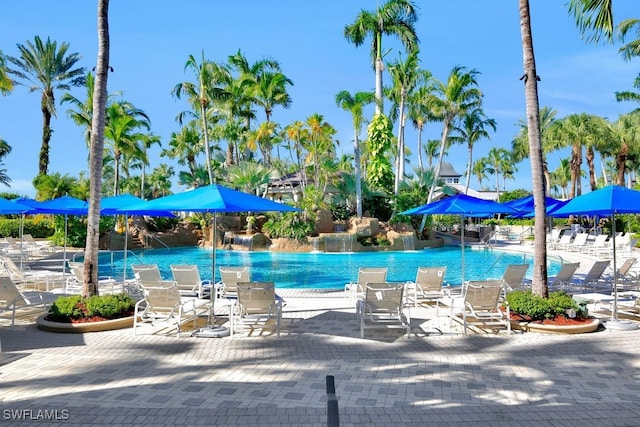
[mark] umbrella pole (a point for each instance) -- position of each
(213, 254)
(126, 236)
(614, 308)
(462, 247)
(21, 240)
(64, 247)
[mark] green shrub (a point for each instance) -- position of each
(38, 226)
(65, 308)
(538, 308)
(289, 225)
(108, 305)
(75, 307)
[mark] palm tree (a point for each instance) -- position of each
(160, 181)
(271, 90)
(628, 95)
(472, 130)
(185, 146)
(201, 95)
(355, 105)
(6, 84)
(479, 170)
(530, 77)
(263, 138)
(319, 144)
(83, 113)
(450, 102)
(432, 150)
(405, 76)
(195, 179)
(90, 286)
(297, 133)
(573, 131)
(46, 68)
(121, 131)
(498, 160)
(627, 137)
(562, 176)
(520, 144)
(250, 177)
(395, 17)
(5, 149)
(419, 113)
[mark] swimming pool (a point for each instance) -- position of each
(330, 270)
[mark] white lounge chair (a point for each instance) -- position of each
(429, 285)
(146, 273)
(578, 244)
(627, 277)
(565, 276)
(594, 276)
(353, 290)
(257, 302)
(229, 279)
(27, 276)
(382, 307)
(75, 282)
(513, 277)
(187, 276)
(164, 304)
(12, 299)
(481, 301)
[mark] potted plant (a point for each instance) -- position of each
(558, 313)
(74, 313)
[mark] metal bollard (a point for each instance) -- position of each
(333, 416)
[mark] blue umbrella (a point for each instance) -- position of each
(10, 207)
(463, 205)
(607, 201)
(65, 205)
(213, 199)
(122, 205)
(128, 204)
(526, 207)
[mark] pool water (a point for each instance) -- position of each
(329, 270)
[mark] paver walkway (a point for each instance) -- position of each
(116, 378)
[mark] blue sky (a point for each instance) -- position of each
(151, 40)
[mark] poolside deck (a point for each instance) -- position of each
(116, 378)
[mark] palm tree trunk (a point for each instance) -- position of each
(379, 68)
(205, 132)
(470, 161)
(358, 172)
(539, 284)
(420, 165)
(443, 144)
(90, 286)
(43, 164)
(592, 169)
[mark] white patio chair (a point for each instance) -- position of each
(428, 285)
(258, 302)
(187, 276)
(356, 289)
(481, 301)
(12, 299)
(164, 304)
(383, 307)
(513, 277)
